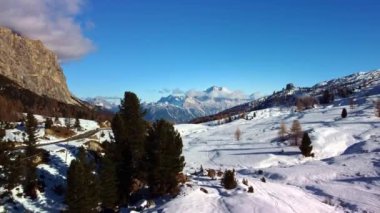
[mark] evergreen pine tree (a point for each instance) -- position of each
(164, 156)
(31, 128)
(82, 185)
(344, 113)
(228, 181)
(77, 124)
(129, 129)
(108, 184)
(306, 146)
(27, 162)
(48, 123)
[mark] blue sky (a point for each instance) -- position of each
(147, 46)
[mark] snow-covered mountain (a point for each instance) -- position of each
(288, 96)
(180, 108)
(105, 103)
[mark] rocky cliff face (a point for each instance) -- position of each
(32, 66)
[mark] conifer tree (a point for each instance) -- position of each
(306, 146)
(77, 124)
(108, 184)
(31, 128)
(228, 181)
(164, 157)
(48, 123)
(27, 162)
(82, 185)
(129, 129)
(344, 113)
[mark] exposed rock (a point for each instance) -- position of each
(31, 65)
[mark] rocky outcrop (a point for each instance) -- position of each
(32, 66)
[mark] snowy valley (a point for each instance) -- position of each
(343, 175)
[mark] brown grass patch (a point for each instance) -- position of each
(60, 132)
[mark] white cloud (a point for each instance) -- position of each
(51, 21)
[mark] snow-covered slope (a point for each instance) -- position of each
(287, 97)
(343, 175)
(181, 108)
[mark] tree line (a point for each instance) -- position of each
(142, 163)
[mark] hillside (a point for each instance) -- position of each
(342, 177)
(287, 97)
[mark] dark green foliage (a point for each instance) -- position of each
(344, 113)
(77, 124)
(129, 130)
(250, 189)
(108, 183)
(48, 123)
(327, 97)
(289, 86)
(228, 181)
(2, 134)
(306, 147)
(82, 185)
(31, 128)
(164, 157)
(27, 162)
(9, 174)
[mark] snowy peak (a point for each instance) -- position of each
(105, 103)
(176, 100)
(183, 107)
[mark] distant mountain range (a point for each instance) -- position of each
(180, 108)
(104, 102)
(358, 84)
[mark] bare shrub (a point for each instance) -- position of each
(237, 134)
(306, 102)
(61, 132)
(283, 131)
(211, 173)
(245, 181)
(296, 132)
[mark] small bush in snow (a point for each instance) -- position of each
(211, 173)
(344, 113)
(250, 189)
(263, 180)
(204, 190)
(306, 146)
(228, 180)
(245, 181)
